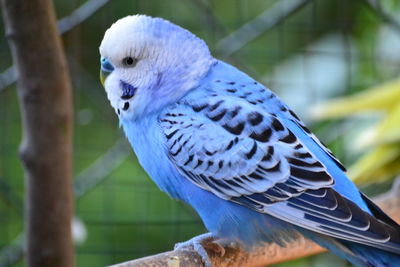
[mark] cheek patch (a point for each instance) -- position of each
(128, 90)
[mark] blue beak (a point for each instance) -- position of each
(105, 69)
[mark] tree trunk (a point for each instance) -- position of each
(45, 96)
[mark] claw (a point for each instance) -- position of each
(206, 241)
(215, 247)
(196, 244)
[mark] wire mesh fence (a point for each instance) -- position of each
(305, 50)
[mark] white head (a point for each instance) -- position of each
(148, 63)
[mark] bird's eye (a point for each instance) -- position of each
(129, 61)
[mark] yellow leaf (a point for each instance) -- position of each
(373, 161)
(387, 171)
(383, 98)
(387, 131)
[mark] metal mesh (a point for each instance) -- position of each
(306, 51)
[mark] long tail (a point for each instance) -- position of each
(357, 254)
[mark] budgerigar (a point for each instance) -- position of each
(215, 138)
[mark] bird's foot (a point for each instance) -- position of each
(200, 243)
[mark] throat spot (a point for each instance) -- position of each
(126, 106)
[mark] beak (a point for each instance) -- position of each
(105, 69)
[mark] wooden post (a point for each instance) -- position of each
(45, 95)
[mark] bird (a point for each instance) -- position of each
(215, 138)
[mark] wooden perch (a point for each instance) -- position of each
(263, 256)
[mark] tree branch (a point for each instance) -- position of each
(45, 96)
(375, 6)
(263, 22)
(9, 76)
(80, 14)
(263, 256)
(101, 168)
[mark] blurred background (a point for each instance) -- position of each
(307, 51)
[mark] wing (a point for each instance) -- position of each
(244, 154)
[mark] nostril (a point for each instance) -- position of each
(106, 65)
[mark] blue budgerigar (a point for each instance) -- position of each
(213, 137)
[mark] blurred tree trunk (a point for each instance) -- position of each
(45, 95)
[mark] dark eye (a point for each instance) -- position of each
(129, 61)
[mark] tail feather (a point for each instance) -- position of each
(372, 256)
(357, 254)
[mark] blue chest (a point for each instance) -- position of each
(147, 141)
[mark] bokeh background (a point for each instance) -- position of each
(307, 51)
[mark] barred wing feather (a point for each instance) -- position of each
(244, 154)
